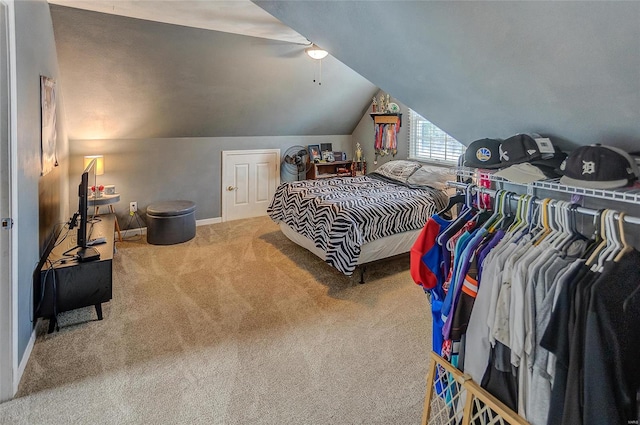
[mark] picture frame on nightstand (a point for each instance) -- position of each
(314, 153)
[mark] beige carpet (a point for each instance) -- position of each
(237, 326)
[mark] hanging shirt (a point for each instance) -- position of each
(426, 255)
(461, 278)
(548, 276)
(430, 273)
(611, 369)
(500, 327)
(557, 339)
(477, 336)
(468, 292)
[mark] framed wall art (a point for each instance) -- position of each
(48, 158)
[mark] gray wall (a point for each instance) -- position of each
(128, 78)
(152, 170)
(41, 200)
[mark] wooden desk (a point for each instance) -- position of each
(70, 284)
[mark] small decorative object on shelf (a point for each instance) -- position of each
(328, 156)
(382, 106)
(374, 105)
(359, 168)
(109, 189)
(393, 108)
(97, 191)
(359, 150)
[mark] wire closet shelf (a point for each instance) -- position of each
(627, 194)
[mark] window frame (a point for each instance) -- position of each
(414, 120)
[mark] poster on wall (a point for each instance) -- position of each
(48, 111)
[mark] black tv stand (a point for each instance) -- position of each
(69, 283)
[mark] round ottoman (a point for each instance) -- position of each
(171, 222)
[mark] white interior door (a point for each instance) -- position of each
(249, 180)
(6, 285)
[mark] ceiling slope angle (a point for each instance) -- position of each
(128, 78)
(568, 70)
(235, 17)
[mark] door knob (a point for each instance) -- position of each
(231, 188)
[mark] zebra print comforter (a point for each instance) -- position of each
(341, 214)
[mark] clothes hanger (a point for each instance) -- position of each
(453, 201)
(503, 211)
(552, 209)
(575, 234)
(509, 215)
(565, 233)
(533, 216)
(612, 242)
(465, 215)
(527, 217)
(544, 217)
(603, 240)
(626, 248)
(497, 210)
(518, 216)
(597, 238)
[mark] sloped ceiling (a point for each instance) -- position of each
(232, 16)
(569, 70)
(125, 78)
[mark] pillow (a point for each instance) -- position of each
(399, 169)
(432, 176)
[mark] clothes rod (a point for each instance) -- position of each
(513, 196)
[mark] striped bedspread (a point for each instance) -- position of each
(341, 214)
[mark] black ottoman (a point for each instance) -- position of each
(171, 222)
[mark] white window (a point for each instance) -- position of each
(428, 143)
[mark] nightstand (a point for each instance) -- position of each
(107, 200)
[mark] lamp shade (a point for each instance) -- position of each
(99, 163)
(316, 52)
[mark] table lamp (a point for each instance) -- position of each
(99, 163)
(99, 169)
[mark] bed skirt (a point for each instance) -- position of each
(375, 250)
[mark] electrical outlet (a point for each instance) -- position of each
(133, 207)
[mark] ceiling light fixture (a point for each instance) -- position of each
(316, 52)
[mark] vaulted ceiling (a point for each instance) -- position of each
(570, 70)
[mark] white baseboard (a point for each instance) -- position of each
(136, 231)
(23, 363)
(143, 230)
(208, 221)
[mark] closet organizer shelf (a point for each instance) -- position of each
(630, 194)
(582, 210)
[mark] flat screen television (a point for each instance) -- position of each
(87, 181)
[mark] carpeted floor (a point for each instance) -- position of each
(236, 326)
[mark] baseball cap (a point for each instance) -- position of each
(530, 148)
(483, 153)
(525, 173)
(599, 167)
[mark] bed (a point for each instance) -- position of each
(350, 221)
